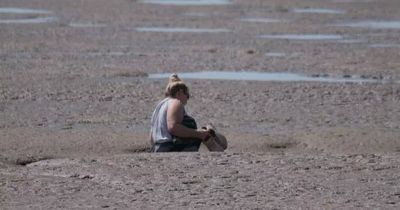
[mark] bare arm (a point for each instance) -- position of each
(174, 120)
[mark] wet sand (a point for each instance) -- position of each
(75, 103)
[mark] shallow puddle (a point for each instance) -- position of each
(12, 10)
(275, 54)
(306, 37)
(373, 24)
(188, 2)
(261, 20)
(181, 30)
(351, 41)
(318, 11)
(385, 45)
(33, 20)
(30, 20)
(260, 76)
(86, 25)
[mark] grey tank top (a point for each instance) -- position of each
(159, 127)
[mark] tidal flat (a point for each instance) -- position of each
(77, 94)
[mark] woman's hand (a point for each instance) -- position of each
(204, 134)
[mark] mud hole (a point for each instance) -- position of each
(280, 145)
(24, 161)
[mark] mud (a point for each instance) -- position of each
(76, 101)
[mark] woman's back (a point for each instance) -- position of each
(159, 126)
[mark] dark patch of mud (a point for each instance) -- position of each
(280, 145)
(143, 149)
(24, 161)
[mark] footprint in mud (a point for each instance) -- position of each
(278, 146)
(283, 145)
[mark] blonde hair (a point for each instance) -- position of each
(174, 85)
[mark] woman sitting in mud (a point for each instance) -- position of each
(172, 130)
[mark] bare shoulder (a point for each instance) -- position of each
(175, 108)
(175, 103)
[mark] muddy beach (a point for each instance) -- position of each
(78, 86)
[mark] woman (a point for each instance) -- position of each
(172, 130)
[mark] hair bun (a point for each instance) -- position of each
(174, 85)
(174, 78)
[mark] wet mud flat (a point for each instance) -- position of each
(77, 92)
(217, 180)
